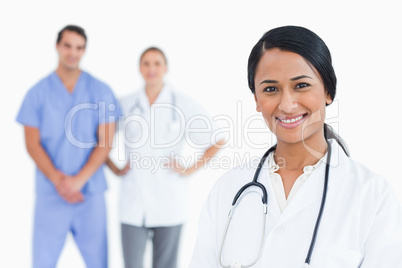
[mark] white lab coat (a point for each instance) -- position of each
(361, 224)
(152, 195)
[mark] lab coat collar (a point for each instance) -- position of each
(311, 191)
(163, 97)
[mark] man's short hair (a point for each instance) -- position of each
(72, 28)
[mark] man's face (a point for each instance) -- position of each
(70, 49)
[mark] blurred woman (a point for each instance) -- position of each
(153, 197)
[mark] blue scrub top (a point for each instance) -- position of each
(68, 124)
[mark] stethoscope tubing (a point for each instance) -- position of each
(324, 198)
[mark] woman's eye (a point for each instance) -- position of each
(270, 89)
(302, 85)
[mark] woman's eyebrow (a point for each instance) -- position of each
(300, 77)
(269, 81)
(292, 79)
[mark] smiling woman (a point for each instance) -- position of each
(318, 199)
(310, 75)
(291, 98)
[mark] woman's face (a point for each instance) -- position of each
(153, 67)
(291, 97)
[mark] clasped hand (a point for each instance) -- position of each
(69, 188)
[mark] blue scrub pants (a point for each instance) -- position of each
(54, 218)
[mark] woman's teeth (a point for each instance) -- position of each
(288, 121)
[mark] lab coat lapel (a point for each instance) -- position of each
(143, 101)
(309, 194)
(164, 95)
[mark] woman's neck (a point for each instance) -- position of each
(152, 91)
(295, 156)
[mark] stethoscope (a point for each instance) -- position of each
(255, 183)
(173, 125)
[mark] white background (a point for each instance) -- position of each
(207, 44)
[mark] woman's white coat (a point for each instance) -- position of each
(361, 224)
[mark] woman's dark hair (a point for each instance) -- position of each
(311, 47)
(153, 49)
(71, 28)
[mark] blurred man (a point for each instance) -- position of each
(69, 121)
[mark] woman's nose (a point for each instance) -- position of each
(288, 102)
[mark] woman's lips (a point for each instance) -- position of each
(291, 121)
